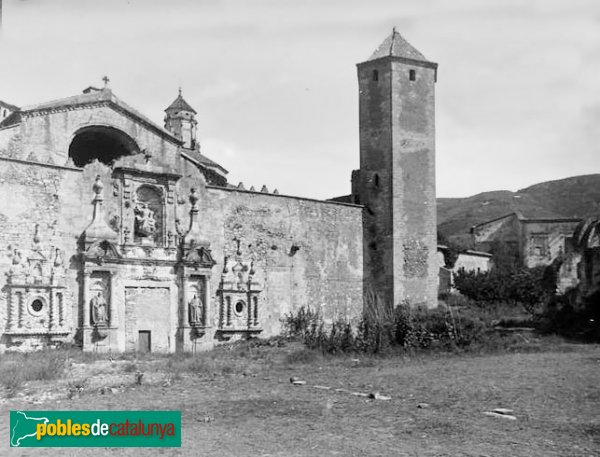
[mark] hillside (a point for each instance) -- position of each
(578, 196)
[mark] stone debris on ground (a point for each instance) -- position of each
(372, 395)
(501, 413)
(423, 405)
(378, 396)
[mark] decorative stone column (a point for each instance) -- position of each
(85, 276)
(184, 298)
(113, 320)
(207, 314)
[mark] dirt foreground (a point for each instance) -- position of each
(242, 403)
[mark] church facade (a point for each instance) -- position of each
(118, 234)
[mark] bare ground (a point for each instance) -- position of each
(241, 403)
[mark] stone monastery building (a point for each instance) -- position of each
(118, 234)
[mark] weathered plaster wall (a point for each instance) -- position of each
(397, 179)
(470, 262)
(506, 230)
(9, 136)
(413, 162)
(58, 201)
(545, 241)
(306, 252)
(46, 136)
(374, 180)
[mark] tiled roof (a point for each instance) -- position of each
(396, 46)
(180, 105)
(197, 155)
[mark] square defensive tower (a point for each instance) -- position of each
(396, 180)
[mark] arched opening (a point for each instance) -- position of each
(148, 213)
(97, 142)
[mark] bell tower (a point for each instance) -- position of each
(396, 180)
(180, 120)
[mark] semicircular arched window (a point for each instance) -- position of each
(102, 143)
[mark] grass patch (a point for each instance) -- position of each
(301, 357)
(19, 368)
(130, 367)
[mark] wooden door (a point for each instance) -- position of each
(144, 342)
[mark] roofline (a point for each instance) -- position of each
(255, 192)
(8, 126)
(9, 106)
(550, 219)
(422, 63)
(31, 112)
(526, 220)
(476, 253)
(197, 162)
(443, 247)
(416, 62)
(514, 213)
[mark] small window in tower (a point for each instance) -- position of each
(376, 180)
(412, 75)
(375, 75)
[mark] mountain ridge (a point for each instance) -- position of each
(572, 197)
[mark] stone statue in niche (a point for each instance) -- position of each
(58, 258)
(196, 310)
(18, 266)
(145, 224)
(98, 307)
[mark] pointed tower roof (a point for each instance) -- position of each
(180, 104)
(395, 45)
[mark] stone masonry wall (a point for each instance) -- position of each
(46, 137)
(306, 252)
(397, 180)
(413, 187)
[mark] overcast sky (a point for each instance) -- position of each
(274, 81)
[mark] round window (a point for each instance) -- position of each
(36, 306)
(239, 307)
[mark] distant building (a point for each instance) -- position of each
(579, 269)
(531, 241)
(468, 260)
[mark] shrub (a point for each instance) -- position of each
(18, 368)
(381, 330)
(527, 287)
(301, 324)
(581, 323)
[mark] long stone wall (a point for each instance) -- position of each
(305, 252)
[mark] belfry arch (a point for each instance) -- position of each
(102, 143)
